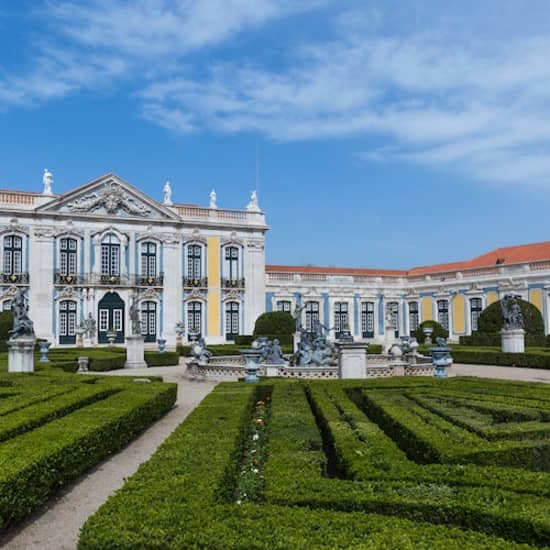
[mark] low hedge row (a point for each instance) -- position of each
(182, 497)
(486, 357)
(495, 339)
(225, 349)
(40, 461)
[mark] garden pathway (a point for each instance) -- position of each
(506, 373)
(56, 526)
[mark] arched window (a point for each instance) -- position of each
(67, 257)
(67, 322)
(149, 321)
(232, 263)
(284, 305)
(194, 261)
(413, 317)
(194, 318)
(110, 257)
(312, 316)
(341, 318)
(231, 320)
(148, 260)
(367, 319)
(13, 255)
(476, 307)
(443, 313)
(394, 308)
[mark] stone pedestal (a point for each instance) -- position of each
(389, 339)
(83, 363)
(21, 355)
(352, 359)
(135, 352)
(513, 340)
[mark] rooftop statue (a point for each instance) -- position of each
(213, 199)
(167, 190)
(47, 180)
(512, 318)
(22, 325)
(253, 205)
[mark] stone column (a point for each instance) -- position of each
(352, 359)
(172, 291)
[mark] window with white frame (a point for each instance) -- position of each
(312, 316)
(341, 317)
(232, 263)
(148, 259)
(194, 318)
(6, 305)
(110, 256)
(149, 320)
(284, 305)
(194, 261)
(367, 319)
(476, 307)
(117, 320)
(104, 320)
(67, 256)
(231, 320)
(13, 254)
(443, 313)
(67, 321)
(413, 317)
(394, 308)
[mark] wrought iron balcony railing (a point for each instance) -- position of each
(148, 280)
(15, 278)
(195, 282)
(63, 279)
(232, 283)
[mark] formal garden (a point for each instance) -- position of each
(400, 463)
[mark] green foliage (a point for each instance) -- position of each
(6, 324)
(164, 359)
(55, 426)
(490, 320)
(374, 349)
(495, 339)
(438, 331)
(528, 359)
(274, 323)
(244, 339)
(367, 464)
(226, 349)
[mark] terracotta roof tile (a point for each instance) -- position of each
(500, 256)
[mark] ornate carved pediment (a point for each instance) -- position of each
(148, 294)
(195, 294)
(68, 293)
(196, 237)
(167, 238)
(233, 294)
(233, 240)
(14, 227)
(110, 196)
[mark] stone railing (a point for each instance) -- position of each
(16, 199)
(215, 214)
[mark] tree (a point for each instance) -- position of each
(490, 319)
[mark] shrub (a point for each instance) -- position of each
(274, 322)
(438, 331)
(495, 340)
(374, 349)
(165, 359)
(244, 340)
(490, 320)
(6, 324)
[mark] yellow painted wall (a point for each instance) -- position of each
(214, 327)
(492, 297)
(535, 297)
(427, 312)
(459, 325)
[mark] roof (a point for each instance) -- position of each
(500, 256)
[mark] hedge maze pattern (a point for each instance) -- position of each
(460, 463)
(54, 426)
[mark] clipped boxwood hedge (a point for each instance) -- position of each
(490, 319)
(438, 331)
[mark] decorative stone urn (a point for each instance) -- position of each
(252, 364)
(111, 336)
(428, 331)
(44, 349)
(441, 358)
(162, 345)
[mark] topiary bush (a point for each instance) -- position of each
(275, 322)
(490, 320)
(6, 324)
(438, 331)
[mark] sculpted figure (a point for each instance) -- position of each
(253, 205)
(275, 354)
(213, 199)
(22, 325)
(512, 317)
(47, 180)
(135, 317)
(167, 190)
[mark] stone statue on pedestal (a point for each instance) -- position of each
(253, 205)
(213, 199)
(22, 326)
(512, 318)
(167, 190)
(89, 325)
(47, 180)
(135, 317)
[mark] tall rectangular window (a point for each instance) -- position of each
(194, 261)
(110, 258)
(283, 305)
(413, 317)
(476, 307)
(231, 320)
(194, 318)
(394, 308)
(341, 318)
(13, 254)
(443, 313)
(312, 316)
(367, 319)
(148, 259)
(232, 262)
(67, 257)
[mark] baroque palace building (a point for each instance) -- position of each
(87, 254)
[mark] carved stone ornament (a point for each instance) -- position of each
(196, 294)
(148, 294)
(233, 294)
(10, 292)
(68, 293)
(15, 227)
(196, 237)
(113, 198)
(44, 232)
(233, 239)
(255, 244)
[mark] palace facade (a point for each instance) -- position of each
(88, 253)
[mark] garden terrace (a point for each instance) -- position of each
(395, 462)
(54, 426)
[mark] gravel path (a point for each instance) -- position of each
(56, 526)
(507, 373)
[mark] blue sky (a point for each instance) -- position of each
(389, 134)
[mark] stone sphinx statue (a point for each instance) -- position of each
(22, 326)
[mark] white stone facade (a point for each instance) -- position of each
(89, 251)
